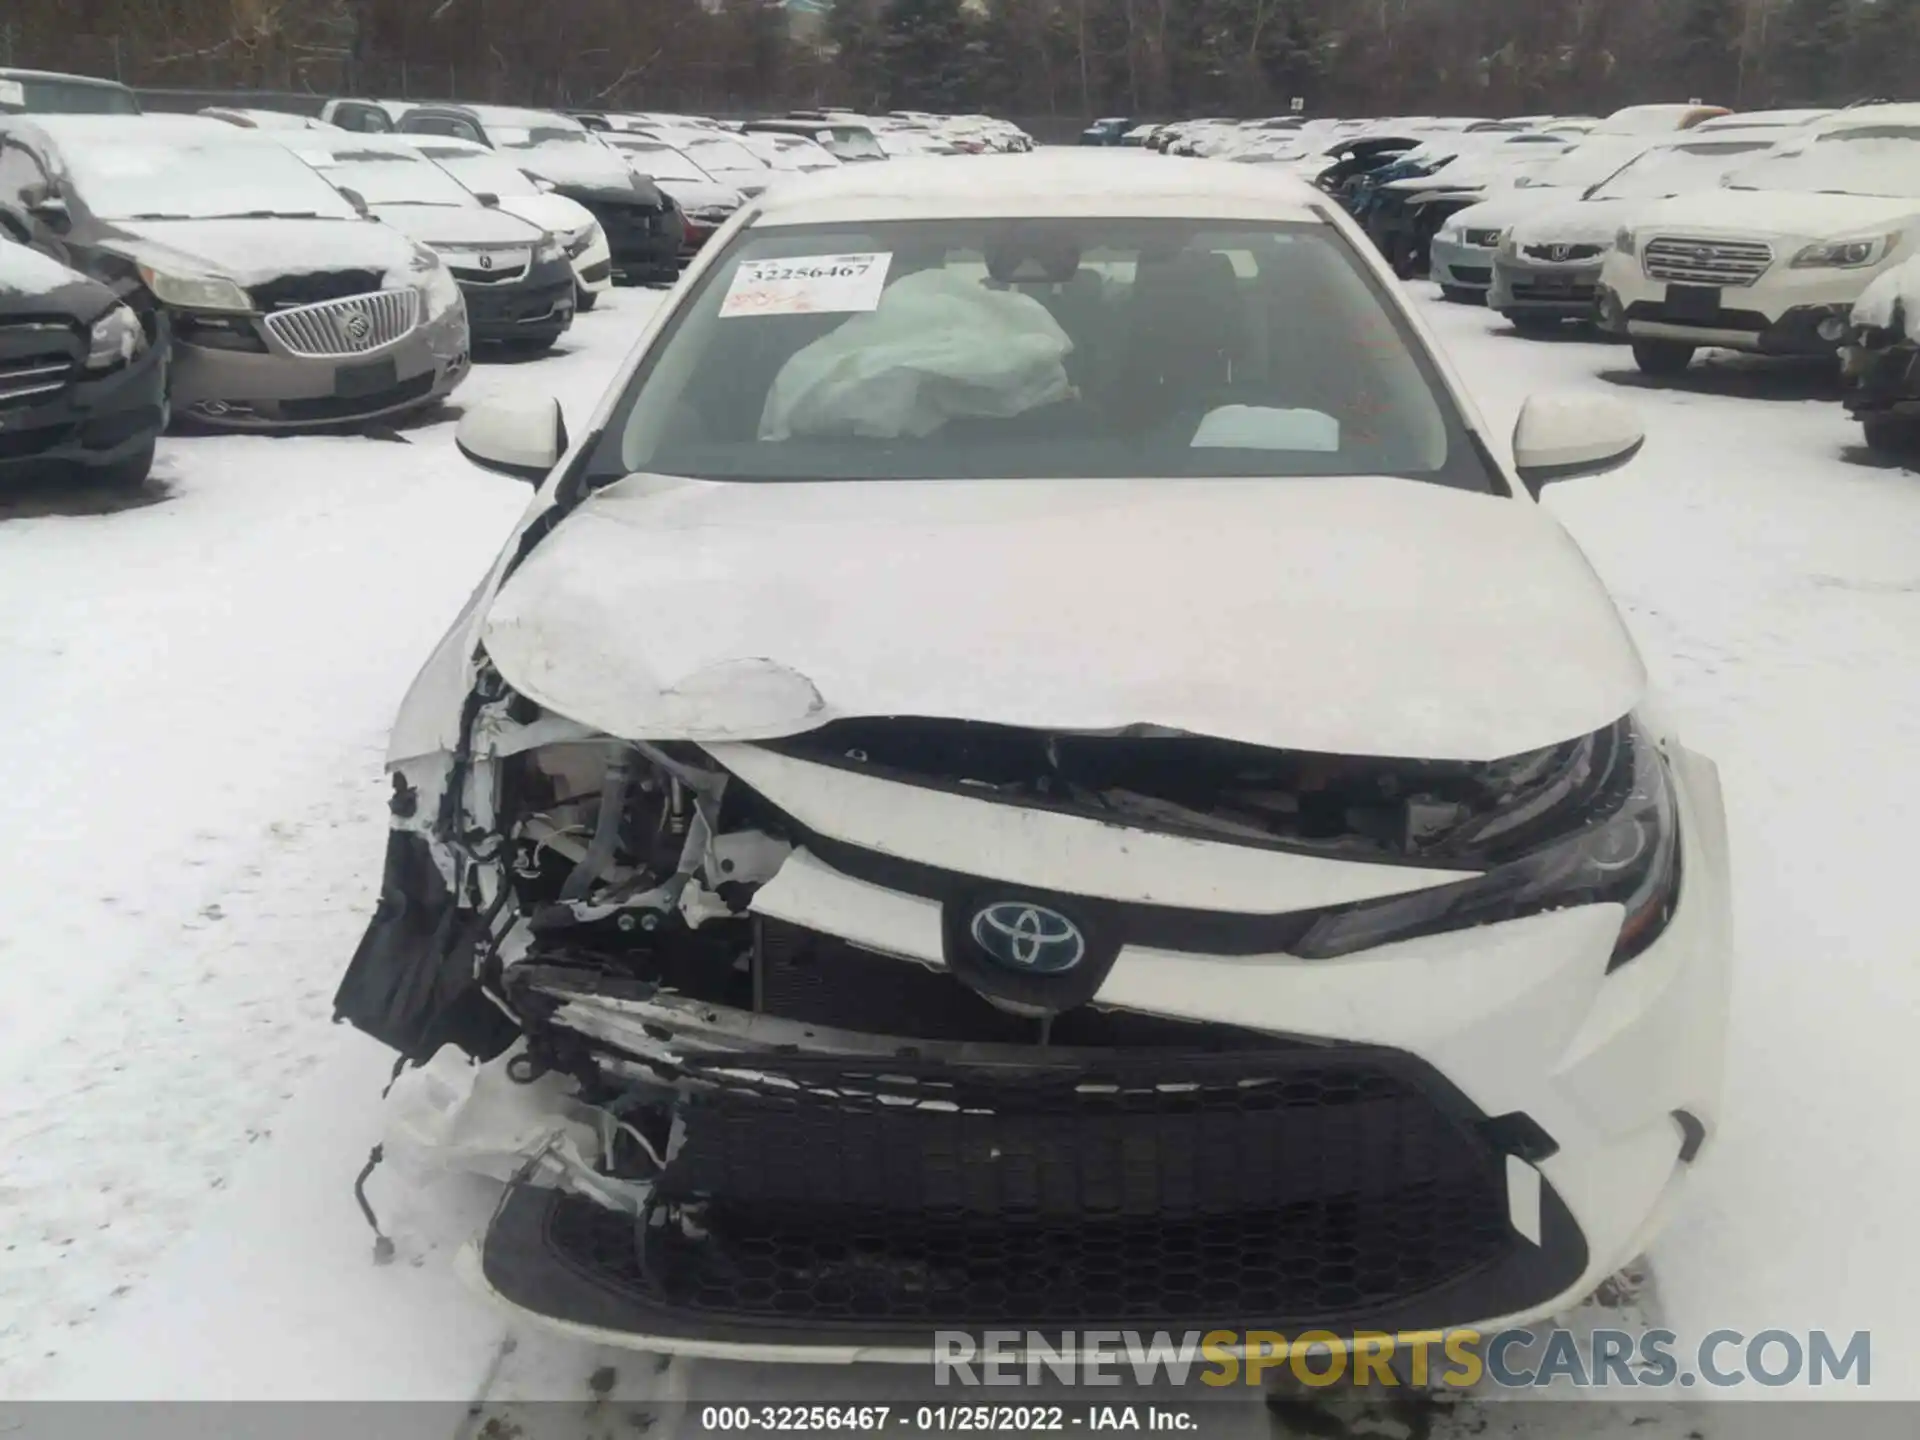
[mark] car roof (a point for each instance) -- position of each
(338, 142)
(423, 142)
(99, 129)
(11, 72)
(1870, 117)
(1064, 182)
(517, 116)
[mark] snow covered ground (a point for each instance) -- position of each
(196, 692)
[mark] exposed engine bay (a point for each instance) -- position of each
(760, 1022)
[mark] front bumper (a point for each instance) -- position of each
(1781, 313)
(1473, 1128)
(593, 266)
(1462, 266)
(92, 423)
(538, 307)
(273, 389)
(1522, 287)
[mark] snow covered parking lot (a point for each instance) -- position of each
(197, 693)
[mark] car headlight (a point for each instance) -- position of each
(549, 250)
(1846, 254)
(1622, 849)
(116, 338)
(1623, 241)
(195, 292)
(578, 242)
(438, 289)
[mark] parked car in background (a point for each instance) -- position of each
(82, 373)
(1881, 361)
(267, 119)
(1546, 269)
(789, 154)
(1774, 261)
(724, 158)
(369, 117)
(644, 228)
(1110, 131)
(848, 143)
(494, 179)
(286, 306)
(1658, 119)
(44, 92)
(704, 201)
(514, 274)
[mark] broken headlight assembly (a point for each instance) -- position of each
(1623, 849)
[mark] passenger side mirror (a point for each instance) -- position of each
(51, 211)
(1562, 437)
(357, 200)
(488, 199)
(516, 436)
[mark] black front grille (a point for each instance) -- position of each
(1471, 274)
(349, 407)
(1578, 294)
(38, 359)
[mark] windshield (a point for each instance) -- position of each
(193, 180)
(662, 162)
(1870, 160)
(850, 142)
(386, 178)
(717, 154)
(995, 349)
(64, 97)
(483, 173)
(1590, 162)
(1662, 173)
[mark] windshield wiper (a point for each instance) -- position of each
(154, 215)
(270, 215)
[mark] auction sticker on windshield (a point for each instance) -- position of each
(807, 285)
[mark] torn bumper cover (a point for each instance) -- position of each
(907, 1026)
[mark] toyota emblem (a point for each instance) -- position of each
(1031, 938)
(486, 262)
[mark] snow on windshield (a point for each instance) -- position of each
(182, 180)
(1866, 160)
(385, 177)
(1660, 173)
(718, 154)
(516, 137)
(662, 162)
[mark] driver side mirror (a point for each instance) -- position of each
(1562, 437)
(488, 199)
(51, 211)
(521, 437)
(357, 200)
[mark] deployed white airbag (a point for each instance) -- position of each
(939, 347)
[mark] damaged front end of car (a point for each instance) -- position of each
(895, 1025)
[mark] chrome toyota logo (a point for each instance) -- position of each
(357, 327)
(1024, 936)
(486, 262)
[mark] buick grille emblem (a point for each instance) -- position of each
(1027, 937)
(357, 327)
(486, 262)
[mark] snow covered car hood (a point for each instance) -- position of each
(554, 213)
(1509, 207)
(458, 225)
(1352, 615)
(1588, 222)
(1780, 214)
(590, 165)
(32, 284)
(694, 195)
(252, 252)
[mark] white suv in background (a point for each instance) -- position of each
(1773, 262)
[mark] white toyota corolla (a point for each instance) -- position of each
(1036, 766)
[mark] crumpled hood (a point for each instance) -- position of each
(1774, 214)
(252, 252)
(458, 225)
(1357, 616)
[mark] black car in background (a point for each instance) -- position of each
(82, 380)
(1110, 131)
(644, 228)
